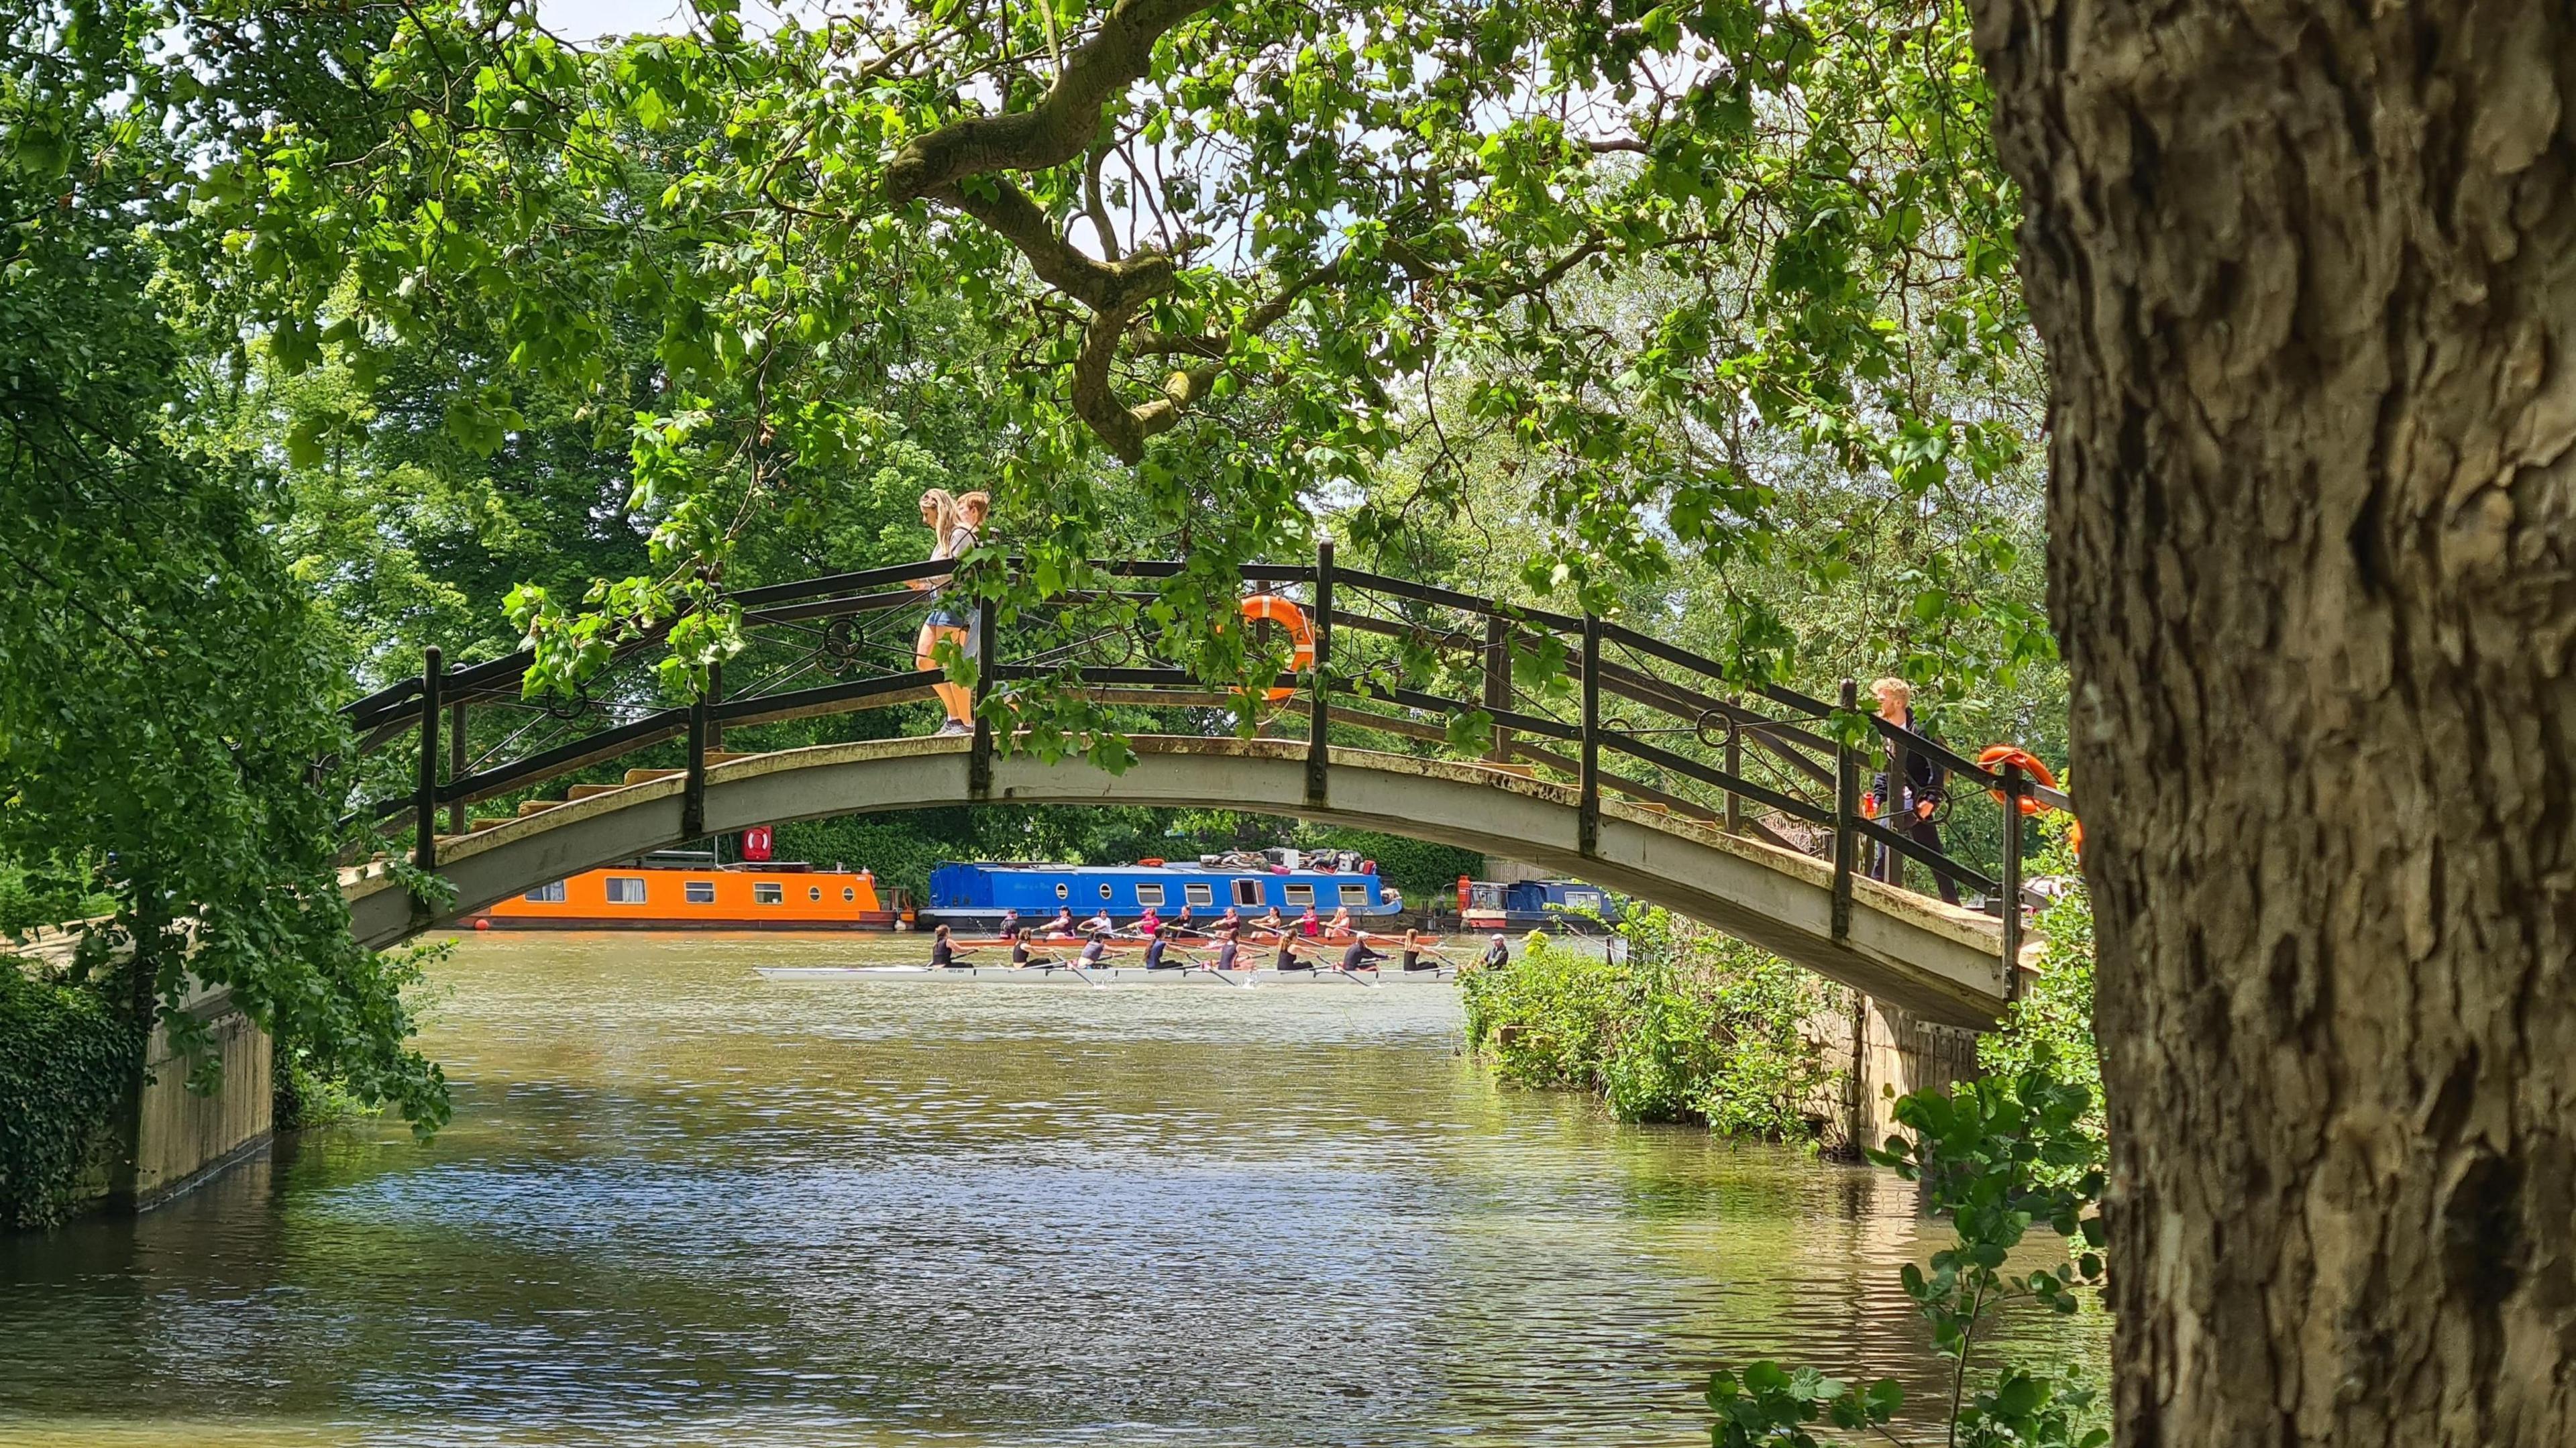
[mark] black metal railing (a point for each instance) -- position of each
(1576, 700)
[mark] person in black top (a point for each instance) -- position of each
(1357, 956)
(1021, 959)
(1062, 924)
(1289, 959)
(1009, 929)
(1909, 810)
(943, 955)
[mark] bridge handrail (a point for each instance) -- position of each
(1799, 743)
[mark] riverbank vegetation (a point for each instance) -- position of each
(1675, 1022)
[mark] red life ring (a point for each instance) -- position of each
(1271, 608)
(1999, 755)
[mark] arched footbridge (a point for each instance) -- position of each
(1572, 743)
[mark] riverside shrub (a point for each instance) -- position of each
(1684, 1024)
(67, 1059)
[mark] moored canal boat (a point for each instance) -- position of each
(972, 898)
(685, 890)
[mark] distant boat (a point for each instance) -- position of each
(1552, 905)
(973, 897)
(683, 890)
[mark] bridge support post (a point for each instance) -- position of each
(1319, 720)
(1587, 819)
(1846, 810)
(456, 765)
(1498, 682)
(1734, 770)
(979, 754)
(424, 804)
(693, 790)
(2014, 788)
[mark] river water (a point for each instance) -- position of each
(685, 1204)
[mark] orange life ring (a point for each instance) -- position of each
(1271, 608)
(1999, 755)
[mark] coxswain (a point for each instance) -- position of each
(1009, 928)
(1497, 955)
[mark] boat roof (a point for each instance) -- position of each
(1192, 867)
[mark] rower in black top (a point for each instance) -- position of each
(945, 956)
(1021, 959)
(1358, 956)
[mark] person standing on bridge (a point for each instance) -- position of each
(1909, 810)
(950, 613)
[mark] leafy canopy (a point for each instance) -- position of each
(1239, 252)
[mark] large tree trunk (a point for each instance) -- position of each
(2307, 276)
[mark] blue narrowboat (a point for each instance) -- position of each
(972, 897)
(1559, 905)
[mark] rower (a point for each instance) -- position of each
(1154, 948)
(1061, 927)
(1340, 924)
(1310, 924)
(1100, 926)
(1150, 924)
(1095, 952)
(1415, 947)
(1181, 923)
(1228, 925)
(1021, 959)
(1289, 959)
(1357, 956)
(1271, 921)
(1226, 948)
(943, 955)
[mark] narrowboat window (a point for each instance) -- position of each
(1301, 894)
(1355, 894)
(544, 894)
(813, 892)
(768, 892)
(1104, 889)
(1198, 894)
(1582, 899)
(700, 892)
(849, 892)
(625, 889)
(1247, 892)
(1149, 894)
(1059, 889)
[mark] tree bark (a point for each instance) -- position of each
(2307, 277)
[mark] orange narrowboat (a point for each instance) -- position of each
(660, 892)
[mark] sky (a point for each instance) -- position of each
(589, 19)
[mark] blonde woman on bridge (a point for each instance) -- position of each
(953, 522)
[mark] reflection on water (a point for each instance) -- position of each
(684, 1204)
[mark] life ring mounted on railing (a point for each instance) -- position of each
(1996, 756)
(1270, 608)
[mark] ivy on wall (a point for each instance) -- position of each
(67, 1060)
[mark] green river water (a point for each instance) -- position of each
(684, 1204)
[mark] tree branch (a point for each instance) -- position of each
(1059, 127)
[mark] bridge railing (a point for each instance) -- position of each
(1584, 702)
